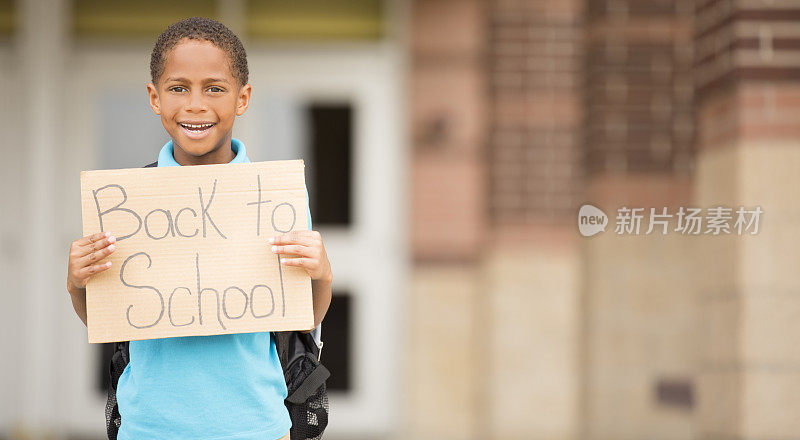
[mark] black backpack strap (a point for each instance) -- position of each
(295, 347)
(307, 396)
(311, 383)
(281, 342)
(124, 348)
(117, 365)
(154, 164)
(294, 344)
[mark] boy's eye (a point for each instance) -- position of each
(178, 89)
(215, 89)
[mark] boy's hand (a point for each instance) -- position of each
(310, 252)
(83, 254)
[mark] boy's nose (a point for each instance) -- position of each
(195, 102)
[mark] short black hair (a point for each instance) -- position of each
(200, 28)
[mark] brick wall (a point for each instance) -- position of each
(747, 65)
(534, 147)
(639, 93)
(447, 117)
(639, 315)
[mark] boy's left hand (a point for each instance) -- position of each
(306, 251)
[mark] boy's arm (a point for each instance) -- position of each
(321, 290)
(78, 302)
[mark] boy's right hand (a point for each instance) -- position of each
(84, 253)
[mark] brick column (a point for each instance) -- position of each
(640, 315)
(748, 82)
(448, 218)
(531, 269)
(497, 172)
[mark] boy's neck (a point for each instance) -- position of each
(221, 155)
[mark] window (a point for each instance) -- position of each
(336, 337)
(330, 137)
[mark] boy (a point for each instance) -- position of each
(202, 387)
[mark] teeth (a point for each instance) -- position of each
(200, 126)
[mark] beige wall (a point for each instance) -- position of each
(493, 347)
(640, 321)
(531, 315)
(750, 368)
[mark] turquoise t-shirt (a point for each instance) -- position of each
(218, 387)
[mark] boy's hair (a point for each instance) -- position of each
(200, 28)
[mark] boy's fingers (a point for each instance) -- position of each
(305, 251)
(300, 262)
(294, 237)
(89, 239)
(96, 255)
(88, 271)
(94, 247)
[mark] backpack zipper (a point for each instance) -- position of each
(319, 354)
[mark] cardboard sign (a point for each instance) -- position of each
(193, 256)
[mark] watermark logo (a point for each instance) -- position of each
(717, 220)
(591, 220)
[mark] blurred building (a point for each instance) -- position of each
(449, 145)
(522, 112)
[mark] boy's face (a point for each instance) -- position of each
(198, 99)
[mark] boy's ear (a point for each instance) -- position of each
(152, 93)
(243, 100)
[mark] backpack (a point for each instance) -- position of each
(307, 396)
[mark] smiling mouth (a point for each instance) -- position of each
(197, 131)
(197, 127)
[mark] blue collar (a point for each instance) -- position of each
(166, 158)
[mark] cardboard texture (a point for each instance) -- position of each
(193, 256)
